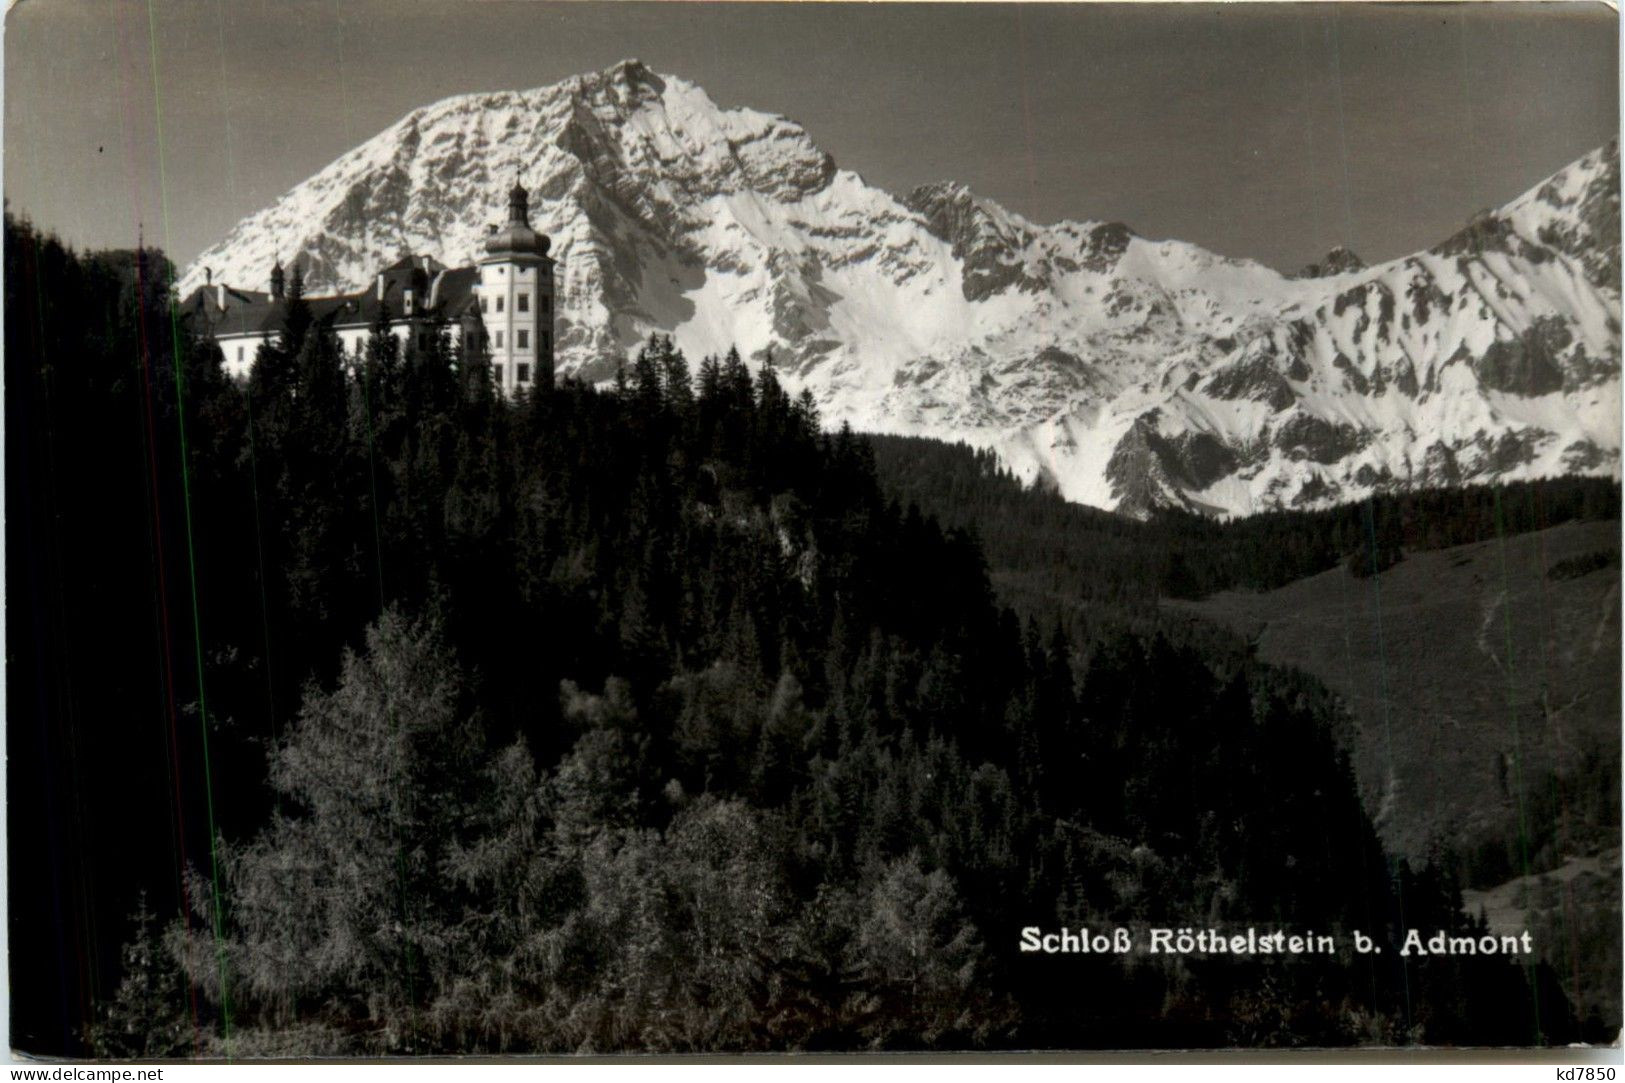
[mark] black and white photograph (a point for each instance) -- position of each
(609, 530)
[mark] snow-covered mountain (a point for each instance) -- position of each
(1125, 371)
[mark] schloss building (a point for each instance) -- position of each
(508, 298)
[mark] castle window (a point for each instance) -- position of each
(496, 370)
(485, 304)
(523, 373)
(547, 304)
(239, 353)
(499, 302)
(524, 302)
(408, 302)
(523, 339)
(547, 341)
(499, 340)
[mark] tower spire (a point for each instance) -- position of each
(518, 202)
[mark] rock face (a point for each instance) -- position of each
(1129, 373)
(1338, 261)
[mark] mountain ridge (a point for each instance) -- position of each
(1128, 373)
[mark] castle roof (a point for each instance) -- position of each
(437, 291)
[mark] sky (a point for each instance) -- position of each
(1272, 132)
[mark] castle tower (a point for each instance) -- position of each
(516, 300)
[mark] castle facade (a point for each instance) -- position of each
(507, 299)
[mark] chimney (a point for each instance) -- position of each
(208, 276)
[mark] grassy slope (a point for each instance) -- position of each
(1478, 684)
(1464, 668)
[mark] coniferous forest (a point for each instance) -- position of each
(354, 710)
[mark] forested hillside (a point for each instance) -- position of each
(1471, 636)
(1060, 560)
(409, 720)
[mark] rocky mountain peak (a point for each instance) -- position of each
(625, 87)
(934, 199)
(1340, 260)
(991, 242)
(632, 72)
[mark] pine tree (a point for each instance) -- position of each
(296, 314)
(648, 396)
(922, 965)
(343, 899)
(676, 381)
(149, 1018)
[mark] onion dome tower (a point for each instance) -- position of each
(516, 300)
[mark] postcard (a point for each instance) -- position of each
(564, 529)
